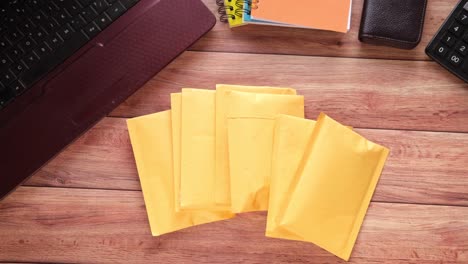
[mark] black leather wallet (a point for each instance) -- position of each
(395, 23)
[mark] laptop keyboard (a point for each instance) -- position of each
(38, 35)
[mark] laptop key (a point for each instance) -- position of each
(18, 10)
(14, 53)
(7, 77)
(103, 21)
(31, 59)
(60, 3)
(116, 10)
(11, 20)
(42, 51)
(4, 43)
(34, 4)
(26, 44)
(77, 22)
(65, 32)
(128, 3)
(39, 18)
(39, 34)
(50, 7)
(27, 27)
(54, 41)
(85, 2)
(100, 5)
(50, 61)
(50, 25)
(4, 61)
(6, 96)
(73, 8)
(17, 88)
(14, 36)
(18, 68)
(91, 30)
(61, 17)
(88, 14)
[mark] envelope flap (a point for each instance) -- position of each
(254, 105)
(255, 89)
(198, 111)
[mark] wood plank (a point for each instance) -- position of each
(279, 40)
(101, 158)
(96, 226)
(423, 167)
(366, 93)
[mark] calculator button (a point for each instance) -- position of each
(465, 67)
(462, 48)
(465, 38)
(441, 50)
(465, 6)
(449, 39)
(463, 17)
(456, 29)
(455, 59)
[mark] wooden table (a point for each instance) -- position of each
(86, 205)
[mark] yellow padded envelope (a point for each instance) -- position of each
(176, 105)
(176, 109)
(251, 122)
(151, 139)
(197, 160)
(333, 187)
(289, 145)
(222, 182)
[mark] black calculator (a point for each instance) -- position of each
(449, 47)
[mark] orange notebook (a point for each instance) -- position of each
(334, 15)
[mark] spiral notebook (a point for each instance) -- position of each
(232, 11)
(333, 15)
(248, 19)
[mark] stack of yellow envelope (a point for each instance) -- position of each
(239, 149)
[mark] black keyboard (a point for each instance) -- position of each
(38, 35)
(449, 47)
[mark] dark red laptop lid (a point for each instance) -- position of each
(91, 83)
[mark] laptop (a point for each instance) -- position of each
(66, 64)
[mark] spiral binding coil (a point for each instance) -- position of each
(238, 8)
(221, 11)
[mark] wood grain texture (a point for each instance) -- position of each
(86, 205)
(278, 40)
(366, 93)
(423, 167)
(97, 226)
